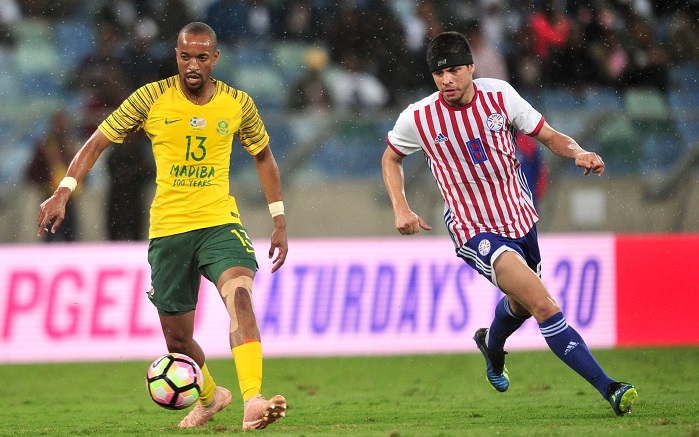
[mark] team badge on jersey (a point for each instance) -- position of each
(197, 122)
(495, 122)
(484, 247)
(222, 127)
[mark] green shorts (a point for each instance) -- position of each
(179, 261)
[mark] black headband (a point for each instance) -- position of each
(449, 60)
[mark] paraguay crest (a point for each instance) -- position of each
(222, 126)
(495, 122)
(484, 247)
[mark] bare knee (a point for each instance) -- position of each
(544, 308)
(179, 332)
(525, 291)
(177, 345)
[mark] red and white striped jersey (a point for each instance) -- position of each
(471, 153)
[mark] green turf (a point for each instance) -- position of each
(430, 395)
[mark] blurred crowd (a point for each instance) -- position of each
(359, 55)
(380, 43)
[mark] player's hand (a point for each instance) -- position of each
(410, 223)
(53, 208)
(279, 243)
(591, 162)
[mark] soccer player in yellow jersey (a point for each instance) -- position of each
(195, 228)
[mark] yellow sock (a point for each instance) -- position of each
(248, 364)
(207, 391)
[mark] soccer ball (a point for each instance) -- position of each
(174, 381)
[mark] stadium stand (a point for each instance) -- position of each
(637, 130)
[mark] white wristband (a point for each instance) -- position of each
(68, 182)
(276, 208)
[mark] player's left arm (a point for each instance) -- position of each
(268, 173)
(563, 145)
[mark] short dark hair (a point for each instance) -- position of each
(199, 28)
(447, 43)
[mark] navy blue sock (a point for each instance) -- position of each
(504, 324)
(569, 346)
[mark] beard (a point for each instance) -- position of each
(193, 81)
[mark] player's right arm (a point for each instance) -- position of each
(55, 206)
(407, 222)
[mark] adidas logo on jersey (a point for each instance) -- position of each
(440, 138)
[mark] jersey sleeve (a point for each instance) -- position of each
(403, 139)
(252, 133)
(131, 115)
(523, 116)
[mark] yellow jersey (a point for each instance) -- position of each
(192, 147)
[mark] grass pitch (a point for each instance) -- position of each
(395, 396)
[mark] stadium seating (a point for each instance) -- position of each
(684, 77)
(36, 51)
(557, 99)
(650, 113)
(252, 55)
(75, 38)
(265, 85)
(605, 99)
(617, 142)
(646, 104)
(290, 59)
(354, 149)
(685, 109)
(630, 127)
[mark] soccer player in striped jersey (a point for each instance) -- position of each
(195, 226)
(466, 131)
